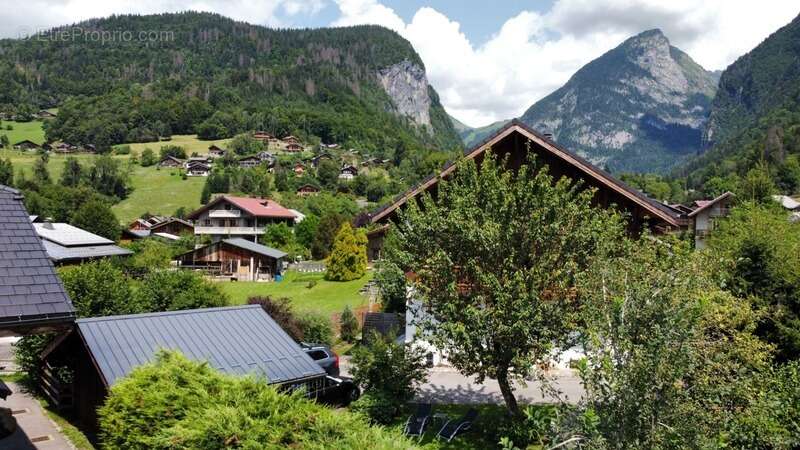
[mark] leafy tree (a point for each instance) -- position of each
(757, 185)
(4, 142)
(96, 217)
(73, 172)
(108, 178)
(40, 172)
(391, 281)
(328, 226)
(148, 158)
(328, 173)
(278, 236)
(174, 151)
(304, 231)
(205, 195)
(176, 290)
(99, 288)
(316, 328)
(280, 309)
(496, 258)
(245, 144)
(348, 259)
(150, 255)
(348, 325)
(6, 172)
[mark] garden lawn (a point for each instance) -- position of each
(159, 191)
(31, 131)
(326, 297)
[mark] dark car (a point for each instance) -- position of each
(324, 356)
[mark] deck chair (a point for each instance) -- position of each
(416, 423)
(452, 428)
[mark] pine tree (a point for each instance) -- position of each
(348, 325)
(348, 260)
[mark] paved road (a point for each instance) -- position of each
(446, 385)
(34, 429)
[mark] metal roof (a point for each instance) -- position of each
(256, 248)
(237, 340)
(68, 235)
(60, 253)
(31, 293)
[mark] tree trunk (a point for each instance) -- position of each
(507, 391)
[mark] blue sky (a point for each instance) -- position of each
(488, 60)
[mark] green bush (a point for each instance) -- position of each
(348, 325)
(348, 259)
(174, 290)
(377, 407)
(316, 329)
(178, 404)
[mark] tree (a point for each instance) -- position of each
(175, 151)
(328, 173)
(326, 232)
(99, 288)
(108, 178)
(757, 185)
(496, 258)
(305, 230)
(96, 217)
(278, 235)
(148, 158)
(6, 172)
(205, 195)
(245, 144)
(4, 142)
(73, 172)
(391, 281)
(348, 325)
(348, 259)
(40, 172)
(176, 290)
(280, 309)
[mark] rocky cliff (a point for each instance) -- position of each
(407, 86)
(640, 107)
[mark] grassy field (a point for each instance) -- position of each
(189, 142)
(159, 191)
(325, 297)
(31, 131)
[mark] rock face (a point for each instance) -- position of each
(407, 86)
(640, 107)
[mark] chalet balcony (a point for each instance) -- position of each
(228, 230)
(224, 214)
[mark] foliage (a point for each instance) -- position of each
(175, 290)
(305, 230)
(391, 281)
(328, 226)
(174, 403)
(99, 288)
(107, 177)
(496, 258)
(348, 259)
(6, 172)
(148, 158)
(40, 173)
(149, 255)
(280, 309)
(96, 217)
(73, 172)
(316, 328)
(348, 325)
(245, 144)
(174, 151)
(388, 372)
(378, 407)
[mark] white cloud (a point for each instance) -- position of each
(533, 53)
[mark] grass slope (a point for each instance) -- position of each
(159, 191)
(189, 142)
(325, 297)
(31, 131)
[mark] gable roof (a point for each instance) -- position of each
(255, 247)
(170, 158)
(68, 235)
(31, 294)
(254, 206)
(703, 205)
(656, 209)
(236, 340)
(169, 221)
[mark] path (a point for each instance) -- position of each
(34, 429)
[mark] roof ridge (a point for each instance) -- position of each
(164, 313)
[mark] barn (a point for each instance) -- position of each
(235, 258)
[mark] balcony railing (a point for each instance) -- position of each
(224, 213)
(228, 230)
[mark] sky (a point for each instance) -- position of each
(488, 60)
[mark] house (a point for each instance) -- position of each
(170, 161)
(307, 189)
(263, 136)
(299, 169)
(348, 172)
(64, 148)
(89, 148)
(704, 217)
(248, 162)
(293, 148)
(26, 145)
(145, 223)
(32, 297)
(197, 169)
(319, 158)
(514, 141)
(267, 157)
(215, 152)
(235, 258)
(290, 140)
(67, 244)
(45, 114)
(236, 340)
(228, 216)
(199, 159)
(787, 202)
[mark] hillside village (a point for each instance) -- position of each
(322, 263)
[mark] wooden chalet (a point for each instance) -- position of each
(215, 151)
(263, 136)
(348, 172)
(267, 157)
(290, 140)
(299, 169)
(235, 258)
(307, 189)
(198, 169)
(27, 145)
(45, 114)
(229, 216)
(293, 147)
(248, 162)
(515, 141)
(170, 162)
(319, 158)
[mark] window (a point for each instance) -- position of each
(207, 222)
(316, 355)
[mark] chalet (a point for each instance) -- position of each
(174, 226)
(90, 148)
(67, 244)
(267, 157)
(248, 162)
(145, 223)
(216, 152)
(788, 203)
(704, 215)
(236, 340)
(227, 216)
(293, 147)
(198, 159)
(26, 145)
(307, 189)
(197, 169)
(319, 158)
(514, 141)
(299, 169)
(263, 136)
(32, 298)
(64, 148)
(235, 258)
(290, 140)
(170, 161)
(45, 114)
(348, 172)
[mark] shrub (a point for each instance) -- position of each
(123, 150)
(348, 259)
(316, 329)
(377, 407)
(148, 158)
(280, 309)
(175, 403)
(348, 325)
(174, 290)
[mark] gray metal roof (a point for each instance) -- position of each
(59, 253)
(68, 235)
(255, 248)
(236, 340)
(31, 293)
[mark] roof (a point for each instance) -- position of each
(786, 201)
(169, 221)
(255, 248)
(31, 293)
(68, 235)
(171, 158)
(254, 206)
(702, 205)
(663, 212)
(236, 340)
(60, 254)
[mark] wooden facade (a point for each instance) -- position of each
(173, 226)
(227, 260)
(307, 189)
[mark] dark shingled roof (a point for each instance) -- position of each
(31, 294)
(237, 340)
(255, 248)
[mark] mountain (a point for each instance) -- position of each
(472, 136)
(132, 78)
(755, 118)
(639, 107)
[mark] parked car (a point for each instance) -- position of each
(324, 356)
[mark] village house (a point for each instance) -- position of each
(228, 216)
(299, 169)
(248, 162)
(197, 169)
(293, 148)
(319, 158)
(704, 216)
(307, 189)
(290, 140)
(348, 172)
(170, 162)
(215, 151)
(236, 259)
(166, 228)
(68, 244)
(263, 136)
(199, 159)
(236, 340)
(26, 145)
(267, 157)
